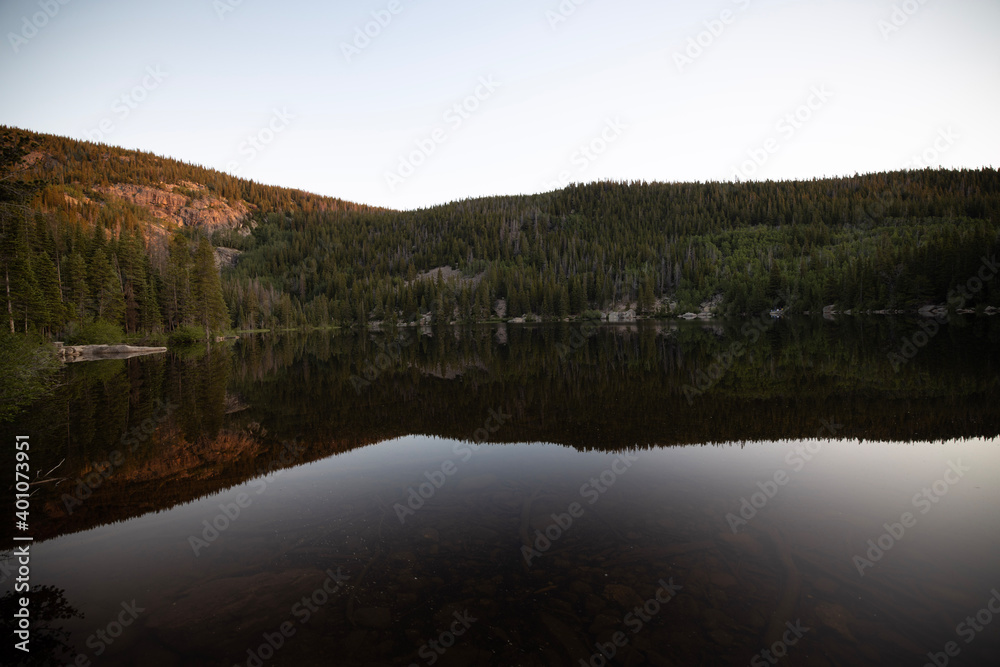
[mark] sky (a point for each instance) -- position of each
(411, 103)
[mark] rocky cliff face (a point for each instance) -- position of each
(186, 204)
(226, 257)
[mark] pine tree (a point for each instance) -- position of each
(108, 301)
(206, 290)
(8, 253)
(76, 286)
(177, 288)
(149, 309)
(24, 298)
(562, 302)
(646, 297)
(51, 312)
(252, 306)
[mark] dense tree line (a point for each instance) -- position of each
(59, 278)
(883, 241)
(868, 242)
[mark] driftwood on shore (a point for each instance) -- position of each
(73, 353)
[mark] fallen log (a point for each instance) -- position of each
(74, 353)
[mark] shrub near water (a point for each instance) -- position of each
(187, 335)
(98, 332)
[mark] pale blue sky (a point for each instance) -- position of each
(608, 76)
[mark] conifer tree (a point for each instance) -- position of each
(51, 311)
(177, 287)
(108, 301)
(77, 289)
(209, 308)
(24, 298)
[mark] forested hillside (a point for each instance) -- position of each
(80, 245)
(82, 255)
(885, 241)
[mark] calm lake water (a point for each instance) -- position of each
(794, 492)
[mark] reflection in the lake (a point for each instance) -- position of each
(526, 495)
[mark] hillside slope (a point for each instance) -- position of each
(92, 232)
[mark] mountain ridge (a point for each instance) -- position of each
(885, 241)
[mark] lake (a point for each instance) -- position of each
(791, 491)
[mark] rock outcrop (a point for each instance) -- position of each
(226, 257)
(205, 210)
(621, 316)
